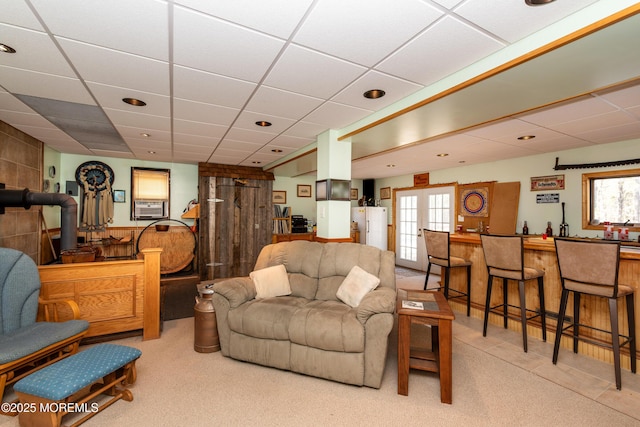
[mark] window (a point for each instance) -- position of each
(613, 197)
(439, 212)
(150, 192)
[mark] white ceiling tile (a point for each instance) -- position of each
(248, 119)
(337, 115)
(289, 141)
(241, 53)
(205, 113)
(197, 140)
(395, 89)
(421, 60)
(44, 85)
(185, 148)
(282, 103)
(276, 17)
(25, 119)
(260, 138)
(306, 130)
(127, 118)
(142, 30)
(238, 145)
(568, 111)
(210, 88)
(311, 73)
(136, 133)
(587, 124)
(512, 29)
(198, 128)
(111, 97)
(31, 46)
(626, 97)
(621, 132)
(380, 28)
(18, 13)
(9, 102)
(110, 67)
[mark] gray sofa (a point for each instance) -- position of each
(311, 331)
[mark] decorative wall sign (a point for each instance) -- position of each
(385, 193)
(548, 198)
(546, 183)
(474, 202)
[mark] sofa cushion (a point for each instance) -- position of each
(356, 285)
(327, 325)
(271, 282)
(265, 318)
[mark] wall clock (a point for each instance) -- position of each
(95, 174)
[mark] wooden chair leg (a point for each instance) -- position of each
(447, 271)
(468, 290)
(560, 325)
(576, 320)
(631, 319)
(543, 310)
(615, 338)
(487, 307)
(523, 313)
(505, 301)
(426, 279)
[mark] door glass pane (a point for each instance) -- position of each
(408, 228)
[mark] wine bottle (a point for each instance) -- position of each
(549, 230)
(525, 229)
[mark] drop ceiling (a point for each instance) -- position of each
(208, 71)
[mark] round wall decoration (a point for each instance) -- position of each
(474, 202)
(95, 174)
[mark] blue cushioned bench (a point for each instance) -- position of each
(61, 388)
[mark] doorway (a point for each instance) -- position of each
(431, 208)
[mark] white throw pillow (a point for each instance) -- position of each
(356, 285)
(271, 282)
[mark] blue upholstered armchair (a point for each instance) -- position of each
(25, 344)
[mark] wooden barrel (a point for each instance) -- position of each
(178, 246)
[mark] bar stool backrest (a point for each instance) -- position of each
(503, 255)
(589, 266)
(437, 243)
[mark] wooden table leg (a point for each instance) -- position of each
(404, 344)
(445, 360)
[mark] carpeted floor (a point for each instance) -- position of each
(177, 386)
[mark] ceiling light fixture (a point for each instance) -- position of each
(526, 137)
(538, 2)
(256, 162)
(374, 94)
(134, 102)
(391, 165)
(263, 123)
(151, 152)
(6, 48)
(442, 154)
(146, 135)
(276, 150)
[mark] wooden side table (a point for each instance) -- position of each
(433, 310)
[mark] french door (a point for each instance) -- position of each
(431, 208)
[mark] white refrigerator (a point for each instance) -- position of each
(372, 224)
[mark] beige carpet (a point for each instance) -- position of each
(179, 387)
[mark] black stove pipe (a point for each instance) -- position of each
(68, 214)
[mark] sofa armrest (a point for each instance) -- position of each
(381, 300)
(236, 290)
(51, 312)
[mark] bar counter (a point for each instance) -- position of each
(540, 254)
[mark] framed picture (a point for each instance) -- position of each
(278, 197)
(119, 196)
(354, 194)
(304, 190)
(385, 193)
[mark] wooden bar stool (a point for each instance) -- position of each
(591, 267)
(437, 243)
(504, 256)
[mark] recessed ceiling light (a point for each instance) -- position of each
(263, 123)
(526, 137)
(538, 2)
(276, 150)
(146, 135)
(462, 161)
(391, 165)
(6, 48)
(442, 154)
(133, 101)
(151, 152)
(256, 162)
(374, 93)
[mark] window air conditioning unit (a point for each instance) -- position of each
(149, 210)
